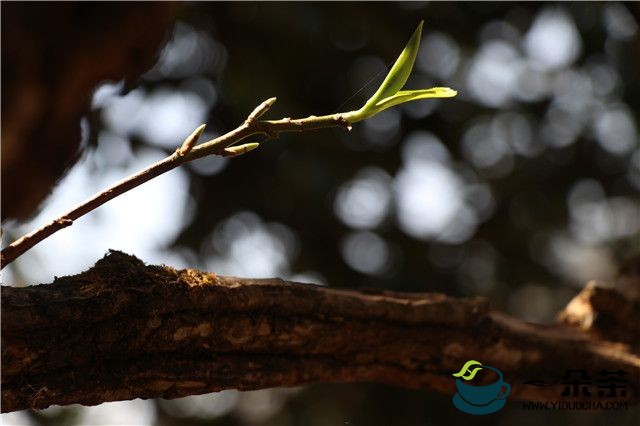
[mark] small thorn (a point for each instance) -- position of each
(261, 109)
(234, 151)
(190, 141)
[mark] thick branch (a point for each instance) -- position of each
(123, 330)
(187, 152)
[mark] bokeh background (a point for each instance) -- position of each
(521, 189)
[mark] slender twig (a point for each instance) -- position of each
(222, 145)
(387, 95)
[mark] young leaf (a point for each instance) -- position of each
(400, 71)
(413, 95)
(389, 93)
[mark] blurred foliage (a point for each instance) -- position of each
(533, 169)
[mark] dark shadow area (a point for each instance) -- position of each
(521, 189)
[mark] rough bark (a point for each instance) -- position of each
(123, 330)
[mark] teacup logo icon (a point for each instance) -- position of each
(479, 399)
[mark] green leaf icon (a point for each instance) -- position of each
(389, 93)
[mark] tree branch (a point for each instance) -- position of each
(123, 330)
(222, 145)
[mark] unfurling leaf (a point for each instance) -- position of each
(413, 95)
(389, 93)
(400, 71)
